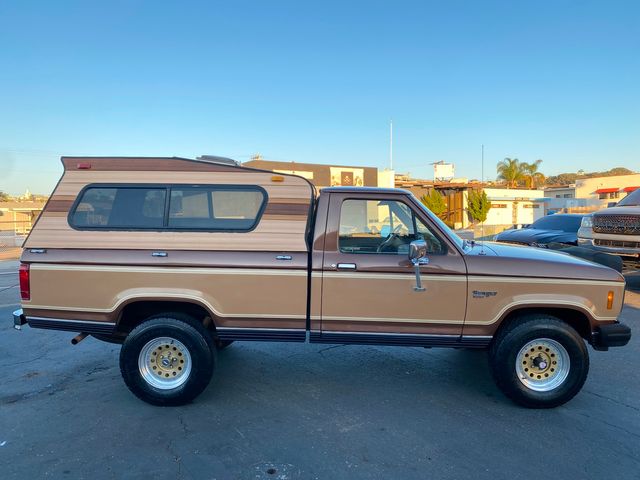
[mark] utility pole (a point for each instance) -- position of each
(391, 145)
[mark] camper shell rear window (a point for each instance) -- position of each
(214, 208)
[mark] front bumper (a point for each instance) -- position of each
(19, 319)
(610, 335)
(615, 250)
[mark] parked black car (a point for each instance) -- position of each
(558, 228)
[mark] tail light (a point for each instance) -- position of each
(25, 284)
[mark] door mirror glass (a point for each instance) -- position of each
(417, 251)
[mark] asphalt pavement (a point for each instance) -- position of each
(300, 411)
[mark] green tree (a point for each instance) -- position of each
(434, 201)
(532, 176)
(478, 205)
(510, 170)
(4, 197)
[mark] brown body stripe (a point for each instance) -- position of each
(287, 209)
(59, 205)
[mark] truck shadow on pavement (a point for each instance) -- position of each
(350, 373)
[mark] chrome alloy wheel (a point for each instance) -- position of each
(542, 364)
(164, 363)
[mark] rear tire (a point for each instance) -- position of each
(538, 361)
(168, 359)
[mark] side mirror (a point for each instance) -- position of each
(418, 252)
(418, 256)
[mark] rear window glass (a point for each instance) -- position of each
(171, 207)
(120, 208)
(632, 199)
(215, 208)
(566, 223)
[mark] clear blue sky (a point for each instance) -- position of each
(555, 80)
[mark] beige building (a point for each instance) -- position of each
(323, 175)
(18, 217)
(592, 193)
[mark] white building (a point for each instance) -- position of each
(511, 206)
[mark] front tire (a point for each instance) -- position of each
(168, 360)
(538, 361)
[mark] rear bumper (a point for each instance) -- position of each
(19, 319)
(610, 335)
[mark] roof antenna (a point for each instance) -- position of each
(482, 252)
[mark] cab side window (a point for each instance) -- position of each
(383, 227)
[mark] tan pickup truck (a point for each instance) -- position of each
(176, 258)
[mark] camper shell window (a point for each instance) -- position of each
(228, 208)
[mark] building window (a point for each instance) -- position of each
(383, 227)
(530, 205)
(498, 205)
(568, 195)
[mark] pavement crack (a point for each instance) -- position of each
(612, 425)
(617, 402)
(329, 348)
(26, 361)
(185, 429)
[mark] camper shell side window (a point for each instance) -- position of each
(212, 208)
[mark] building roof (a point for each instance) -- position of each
(21, 205)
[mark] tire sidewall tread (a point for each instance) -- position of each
(196, 339)
(508, 342)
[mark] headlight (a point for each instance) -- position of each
(587, 221)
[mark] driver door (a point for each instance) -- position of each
(368, 280)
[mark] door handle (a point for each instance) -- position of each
(159, 254)
(346, 266)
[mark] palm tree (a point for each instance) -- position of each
(533, 177)
(511, 171)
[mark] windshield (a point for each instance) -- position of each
(631, 200)
(443, 226)
(566, 223)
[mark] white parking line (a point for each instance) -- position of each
(7, 305)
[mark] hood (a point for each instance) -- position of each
(493, 258)
(630, 210)
(533, 235)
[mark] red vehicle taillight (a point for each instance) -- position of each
(25, 284)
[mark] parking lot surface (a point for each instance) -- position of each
(299, 411)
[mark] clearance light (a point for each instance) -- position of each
(25, 284)
(277, 178)
(84, 166)
(609, 300)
